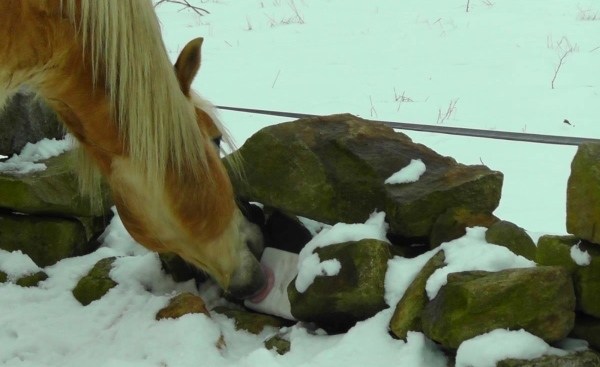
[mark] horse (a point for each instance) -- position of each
(103, 67)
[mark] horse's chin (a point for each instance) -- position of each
(260, 283)
(264, 292)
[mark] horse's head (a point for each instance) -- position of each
(231, 259)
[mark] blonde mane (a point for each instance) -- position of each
(128, 56)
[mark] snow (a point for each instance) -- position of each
(488, 349)
(581, 257)
(410, 173)
(412, 61)
(16, 264)
(25, 161)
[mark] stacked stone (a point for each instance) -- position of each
(332, 169)
(42, 213)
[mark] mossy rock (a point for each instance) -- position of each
(583, 193)
(46, 240)
(513, 237)
(32, 280)
(332, 169)
(182, 304)
(587, 328)
(250, 321)
(356, 293)
(407, 315)
(556, 250)
(278, 344)
(454, 222)
(53, 191)
(96, 283)
(585, 358)
(3, 277)
(539, 300)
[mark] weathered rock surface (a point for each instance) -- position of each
(250, 321)
(53, 191)
(513, 237)
(407, 315)
(45, 239)
(96, 283)
(453, 223)
(579, 359)
(182, 304)
(357, 292)
(556, 250)
(583, 194)
(540, 300)
(26, 118)
(332, 169)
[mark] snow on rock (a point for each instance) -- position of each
(472, 252)
(410, 173)
(25, 162)
(497, 345)
(581, 257)
(309, 264)
(16, 264)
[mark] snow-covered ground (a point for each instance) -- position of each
(419, 61)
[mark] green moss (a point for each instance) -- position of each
(355, 293)
(96, 283)
(540, 300)
(278, 344)
(32, 280)
(556, 250)
(45, 239)
(407, 315)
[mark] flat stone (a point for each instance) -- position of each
(539, 300)
(182, 304)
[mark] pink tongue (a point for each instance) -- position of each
(263, 293)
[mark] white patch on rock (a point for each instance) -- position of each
(26, 161)
(410, 173)
(581, 258)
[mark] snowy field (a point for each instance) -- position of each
(421, 61)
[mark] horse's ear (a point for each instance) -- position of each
(187, 64)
